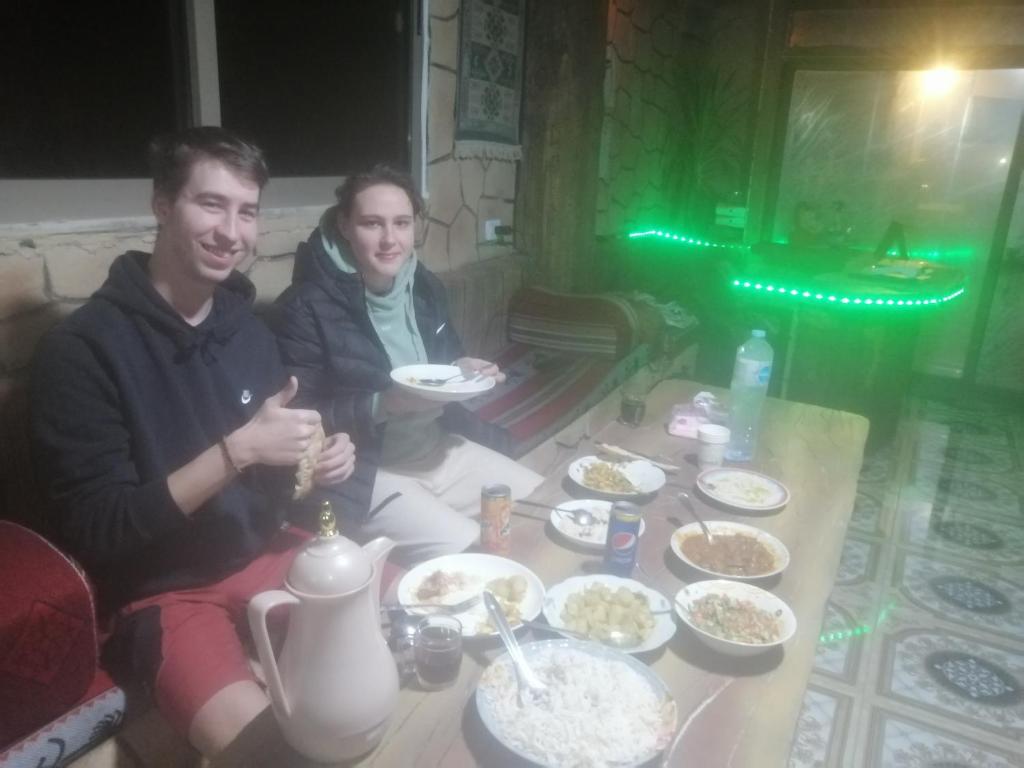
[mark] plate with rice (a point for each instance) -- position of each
(743, 489)
(450, 579)
(616, 479)
(613, 610)
(601, 708)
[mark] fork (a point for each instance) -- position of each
(458, 607)
(442, 382)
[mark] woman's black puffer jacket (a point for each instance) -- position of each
(329, 343)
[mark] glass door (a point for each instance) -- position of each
(927, 149)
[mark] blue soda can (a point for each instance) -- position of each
(620, 547)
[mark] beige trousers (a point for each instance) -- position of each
(440, 502)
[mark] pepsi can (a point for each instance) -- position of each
(621, 546)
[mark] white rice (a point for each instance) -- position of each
(596, 712)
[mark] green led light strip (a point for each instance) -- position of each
(838, 636)
(827, 297)
(686, 239)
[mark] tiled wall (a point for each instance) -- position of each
(643, 41)
(658, 52)
(45, 273)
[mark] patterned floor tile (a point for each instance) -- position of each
(821, 729)
(858, 563)
(955, 532)
(967, 489)
(898, 742)
(960, 678)
(929, 594)
(878, 465)
(841, 643)
(867, 510)
(978, 599)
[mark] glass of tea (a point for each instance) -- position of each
(438, 651)
(634, 398)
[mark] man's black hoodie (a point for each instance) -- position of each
(124, 392)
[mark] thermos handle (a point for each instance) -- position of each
(259, 606)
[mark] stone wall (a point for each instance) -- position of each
(678, 111)
(463, 194)
(48, 270)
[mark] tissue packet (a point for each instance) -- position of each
(705, 408)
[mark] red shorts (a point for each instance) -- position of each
(187, 645)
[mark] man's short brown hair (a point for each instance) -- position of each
(172, 156)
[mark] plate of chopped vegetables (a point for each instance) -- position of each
(616, 479)
(735, 618)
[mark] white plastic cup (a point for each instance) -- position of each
(712, 440)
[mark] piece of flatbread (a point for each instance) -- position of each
(304, 471)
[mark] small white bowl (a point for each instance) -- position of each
(737, 590)
(726, 527)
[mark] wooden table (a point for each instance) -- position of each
(736, 712)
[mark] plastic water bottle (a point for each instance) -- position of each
(749, 388)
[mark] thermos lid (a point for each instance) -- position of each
(330, 564)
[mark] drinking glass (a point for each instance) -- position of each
(634, 397)
(438, 651)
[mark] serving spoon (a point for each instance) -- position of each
(525, 676)
(687, 502)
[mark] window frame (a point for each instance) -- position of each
(76, 205)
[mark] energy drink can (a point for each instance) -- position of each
(496, 519)
(621, 546)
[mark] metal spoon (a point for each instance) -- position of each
(525, 676)
(581, 517)
(687, 502)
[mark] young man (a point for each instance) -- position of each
(160, 417)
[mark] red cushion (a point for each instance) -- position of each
(48, 642)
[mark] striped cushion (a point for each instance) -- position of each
(544, 391)
(574, 323)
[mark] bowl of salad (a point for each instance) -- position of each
(735, 618)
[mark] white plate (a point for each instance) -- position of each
(727, 527)
(533, 651)
(645, 476)
(737, 590)
(664, 626)
(593, 536)
(743, 489)
(479, 569)
(451, 392)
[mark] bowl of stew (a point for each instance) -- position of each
(734, 618)
(739, 551)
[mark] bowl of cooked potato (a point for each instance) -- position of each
(618, 612)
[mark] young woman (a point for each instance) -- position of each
(359, 306)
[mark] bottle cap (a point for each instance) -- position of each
(757, 333)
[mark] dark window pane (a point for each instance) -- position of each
(86, 85)
(322, 85)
